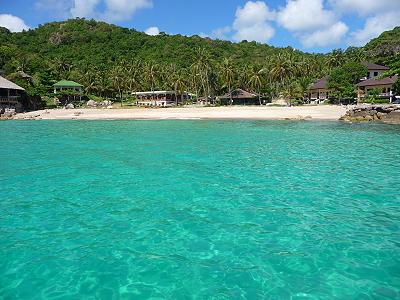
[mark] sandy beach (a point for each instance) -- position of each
(324, 112)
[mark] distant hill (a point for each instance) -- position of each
(95, 42)
(387, 44)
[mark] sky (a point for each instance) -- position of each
(308, 25)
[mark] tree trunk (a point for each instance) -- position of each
(230, 94)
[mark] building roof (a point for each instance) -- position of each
(7, 84)
(377, 82)
(320, 84)
(372, 66)
(239, 94)
(67, 83)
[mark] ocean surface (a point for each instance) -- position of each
(199, 210)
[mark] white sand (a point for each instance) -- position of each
(323, 112)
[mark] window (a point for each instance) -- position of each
(376, 74)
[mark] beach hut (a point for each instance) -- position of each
(68, 89)
(240, 97)
(67, 85)
(10, 94)
(318, 91)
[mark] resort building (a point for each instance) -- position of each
(319, 92)
(68, 90)
(384, 86)
(374, 70)
(160, 98)
(67, 85)
(239, 97)
(10, 94)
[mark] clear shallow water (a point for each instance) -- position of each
(199, 210)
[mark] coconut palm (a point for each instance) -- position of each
(336, 58)
(118, 80)
(256, 81)
(228, 75)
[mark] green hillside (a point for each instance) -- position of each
(386, 45)
(111, 61)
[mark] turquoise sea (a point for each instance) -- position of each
(199, 210)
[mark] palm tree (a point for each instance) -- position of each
(282, 69)
(151, 73)
(118, 80)
(336, 58)
(133, 70)
(179, 87)
(255, 81)
(228, 75)
(203, 66)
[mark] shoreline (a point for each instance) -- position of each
(323, 112)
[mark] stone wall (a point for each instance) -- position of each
(381, 113)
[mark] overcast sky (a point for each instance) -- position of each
(309, 25)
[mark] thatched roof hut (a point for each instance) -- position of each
(240, 97)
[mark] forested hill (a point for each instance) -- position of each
(110, 60)
(94, 42)
(387, 44)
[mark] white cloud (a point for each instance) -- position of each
(114, 10)
(325, 37)
(152, 31)
(302, 15)
(219, 33)
(374, 26)
(312, 23)
(251, 22)
(12, 23)
(84, 8)
(365, 7)
(380, 16)
(122, 10)
(60, 8)
(258, 32)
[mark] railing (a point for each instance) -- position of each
(11, 99)
(385, 95)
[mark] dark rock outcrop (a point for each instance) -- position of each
(383, 113)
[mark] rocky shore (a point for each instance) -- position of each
(381, 113)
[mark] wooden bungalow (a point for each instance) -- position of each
(10, 94)
(319, 92)
(384, 85)
(239, 97)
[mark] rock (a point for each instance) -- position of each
(380, 115)
(91, 103)
(56, 101)
(384, 113)
(69, 106)
(8, 112)
(369, 118)
(393, 117)
(362, 113)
